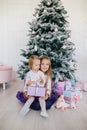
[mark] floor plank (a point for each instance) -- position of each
(70, 119)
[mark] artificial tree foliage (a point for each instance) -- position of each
(49, 35)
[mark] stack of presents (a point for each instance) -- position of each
(71, 92)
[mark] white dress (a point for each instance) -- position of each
(34, 77)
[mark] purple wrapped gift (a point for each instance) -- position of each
(59, 87)
(36, 91)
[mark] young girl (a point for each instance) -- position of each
(34, 77)
(50, 98)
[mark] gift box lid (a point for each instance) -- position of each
(71, 93)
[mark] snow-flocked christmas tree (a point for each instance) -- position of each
(49, 35)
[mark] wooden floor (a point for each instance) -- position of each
(10, 120)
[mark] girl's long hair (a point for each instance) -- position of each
(49, 71)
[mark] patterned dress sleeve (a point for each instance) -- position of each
(27, 78)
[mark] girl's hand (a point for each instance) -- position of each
(46, 97)
(29, 83)
(41, 80)
(25, 95)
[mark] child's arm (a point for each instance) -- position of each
(41, 80)
(29, 83)
(46, 96)
(48, 87)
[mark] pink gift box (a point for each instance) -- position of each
(72, 96)
(36, 91)
(71, 99)
(60, 88)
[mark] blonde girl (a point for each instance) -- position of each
(50, 97)
(34, 77)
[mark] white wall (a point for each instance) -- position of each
(14, 18)
(77, 10)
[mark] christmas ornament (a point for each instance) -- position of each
(56, 30)
(42, 39)
(35, 47)
(60, 3)
(64, 47)
(48, 3)
(37, 36)
(69, 34)
(75, 65)
(45, 11)
(33, 32)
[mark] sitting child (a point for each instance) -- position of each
(34, 77)
(50, 97)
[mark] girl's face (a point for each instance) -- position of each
(45, 65)
(36, 65)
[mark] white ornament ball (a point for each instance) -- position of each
(33, 32)
(45, 11)
(64, 47)
(42, 39)
(35, 47)
(56, 30)
(37, 36)
(75, 65)
(48, 3)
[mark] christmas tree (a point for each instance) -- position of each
(49, 35)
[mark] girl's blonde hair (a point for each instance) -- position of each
(49, 71)
(31, 60)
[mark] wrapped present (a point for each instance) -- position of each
(75, 99)
(36, 91)
(59, 87)
(73, 83)
(68, 85)
(68, 93)
(72, 95)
